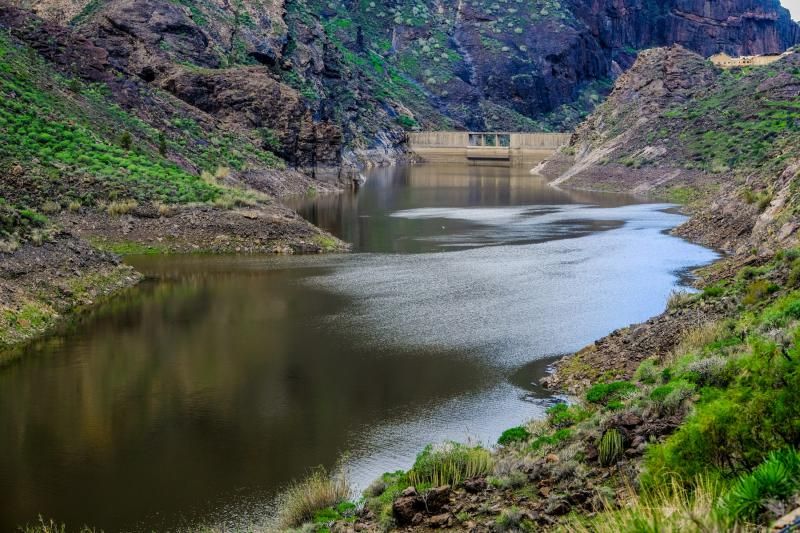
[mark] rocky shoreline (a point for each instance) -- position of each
(639, 390)
(534, 494)
(547, 491)
(78, 262)
(41, 285)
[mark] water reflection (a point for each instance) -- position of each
(364, 218)
(194, 397)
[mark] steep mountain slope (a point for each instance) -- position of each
(373, 68)
(88, 155)
(678, 127)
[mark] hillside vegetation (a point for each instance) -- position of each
(72, 145)
(723, 141)
(123, 166)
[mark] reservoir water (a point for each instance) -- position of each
(193, 398)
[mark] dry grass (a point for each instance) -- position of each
(50, 207)
(304, 498)
(679, 298)
(222, 173)
(671, 509)
(163, 209)
(697, 338)
(218, 175)
(52, 527)
(121, 207)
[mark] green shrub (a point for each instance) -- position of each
(557, 437)
(509, 519)
(778, 477)
(125, 141)
(713, 371)
(602, 393)
(670, 397)
(713, 291)
(270, 140)
(747, 272)
(562, 415)
(515, 434)
(793, 310)
(782, 311)
(648, 372)
(615, 405)
(449, 464)
(162, 144)
(764, 200)
(735, 427)
(610, 448)
(345, 512)
(74, 85)
(407, 122)
(33, 218)
(793, 280)
(381, 493)
(789, 255)
(757, 291)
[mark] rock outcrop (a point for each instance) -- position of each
(534, 66)
(737, 27)
(678, 127)
(247, 97)
(165, 44)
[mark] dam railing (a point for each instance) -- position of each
(488, 147)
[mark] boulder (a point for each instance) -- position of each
(436, 498)
(475, 485)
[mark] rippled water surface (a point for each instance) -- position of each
(194, 397)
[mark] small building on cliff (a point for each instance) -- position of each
(723, 60)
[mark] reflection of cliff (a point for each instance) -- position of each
(362, 220)
(182, 373)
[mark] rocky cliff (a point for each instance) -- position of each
(725, 142)
(346, 78)
(94, 160)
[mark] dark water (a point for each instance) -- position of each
(194, 397)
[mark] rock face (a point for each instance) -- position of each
(676, 126)
(145, 36)
(411, 507)
(738, 27)
(563, 53)
(164, 44)
(249, 98)
(360, 73)
(68, 51)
